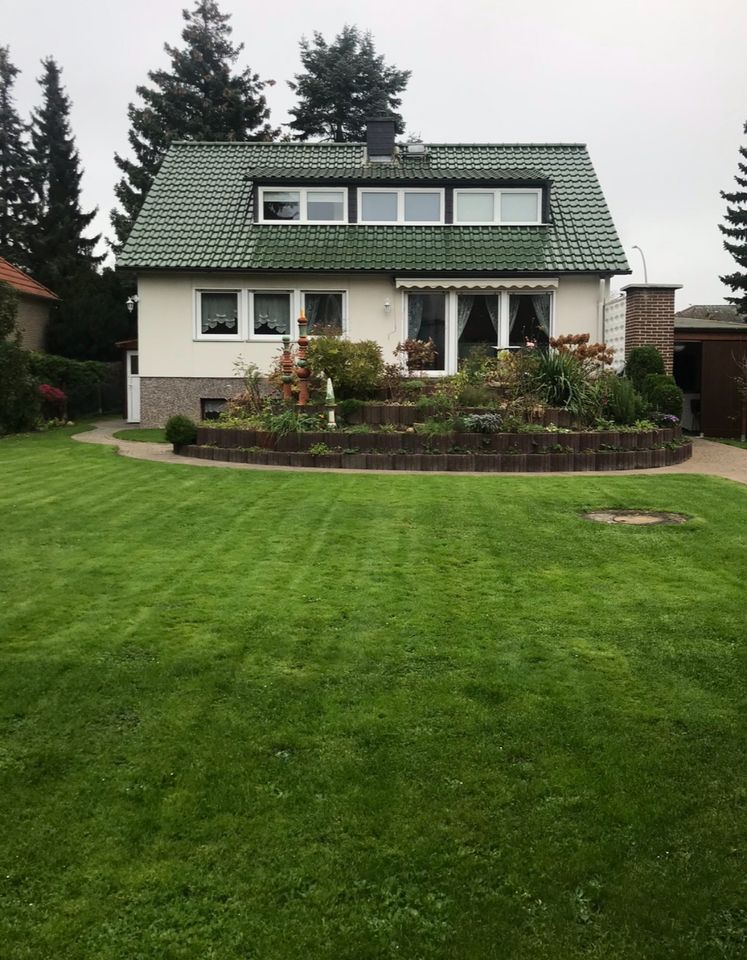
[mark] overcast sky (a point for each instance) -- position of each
(656, 88)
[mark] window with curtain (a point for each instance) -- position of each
(426, 319)
(271, 314)
(477, 324)
(324, 312)
(219, 313)
(282, 205)
(529, 319)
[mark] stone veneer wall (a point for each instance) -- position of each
(649, 318)
(33, 316)
(162, 397)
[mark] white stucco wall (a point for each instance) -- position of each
(166, 317)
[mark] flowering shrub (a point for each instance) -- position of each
(51, 394)
(419, 354)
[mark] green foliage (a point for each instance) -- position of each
(59, 251)
(79, 379)
(87, 324)
(641, 362)
(319, 449)
(474, 395)
(483, 423)
(618, 399)
(348, 407)
(16, 193)
(181, 430)
(8, 310)
(356, 367)
(200, 97)
(19, 400)
(561, 381)
(343, 85)
(290, 421)
(735, 230)
(663, 394)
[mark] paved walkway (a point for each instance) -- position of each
(712, 459)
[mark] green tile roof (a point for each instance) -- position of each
(198, 213)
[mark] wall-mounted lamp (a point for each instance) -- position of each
(131, 302)
(387, 305)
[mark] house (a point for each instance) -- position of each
(468, 244)
(34, 303)
(709, 343)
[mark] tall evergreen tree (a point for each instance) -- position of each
(736, 230)
(344, 84)
(59, 250)
(16, 195)
(200, 97)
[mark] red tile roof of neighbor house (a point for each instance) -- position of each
(22, 282)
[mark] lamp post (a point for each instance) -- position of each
(645, 270)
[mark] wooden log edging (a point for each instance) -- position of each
(516, 462)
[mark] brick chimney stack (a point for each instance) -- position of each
(649, 318)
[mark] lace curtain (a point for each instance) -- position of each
(271, 313)
(541, 304)
(492, 304)
(465, 303)
(414, 316)
(219, 312)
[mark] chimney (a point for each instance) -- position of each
(380, 139)
(649, 318)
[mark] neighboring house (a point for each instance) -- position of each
(468, 244)
(709, 343)
(34, 303)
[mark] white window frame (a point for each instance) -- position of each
(400, 221)
(343, 293)
(292, 311)
(302, 205)
(497, 207)
(451, 363)
(240, 334)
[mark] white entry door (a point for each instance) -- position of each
(133, 387)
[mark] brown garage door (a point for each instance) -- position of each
(720, 404)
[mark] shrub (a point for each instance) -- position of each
(641, 362)
(561, 380)
(79, 379)
(19, 401)
(180, 430)
(356, 367)
(418, 354)
(618, 400)
(474, 395)
(483, 423)
(349, 408)
(663, 394)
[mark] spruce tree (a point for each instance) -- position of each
(736, 230)
(59, 250)
(200, 97)
(344, 84)
(16, 195)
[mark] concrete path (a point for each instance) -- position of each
(709, 458)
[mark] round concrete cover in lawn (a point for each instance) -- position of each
(635, 518)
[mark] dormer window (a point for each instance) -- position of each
(514, 206)
(413, 205)
(302, 205)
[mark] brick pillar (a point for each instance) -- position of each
(649, 318)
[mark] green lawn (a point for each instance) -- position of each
(357, 717)
(156, 435)
(732, 443)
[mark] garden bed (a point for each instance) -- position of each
(530, 452)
